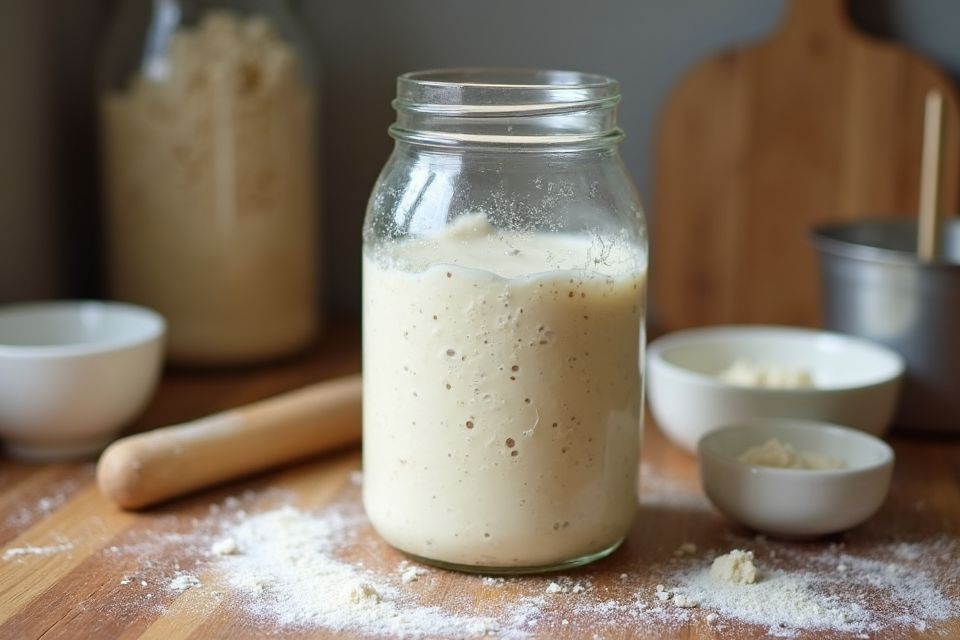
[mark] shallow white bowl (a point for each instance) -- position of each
(74, 373)
(796, 502)
(856, 382)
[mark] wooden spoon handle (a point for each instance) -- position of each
(928, 233)
(150, 467)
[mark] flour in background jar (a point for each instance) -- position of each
(209, 176)
(502, 395)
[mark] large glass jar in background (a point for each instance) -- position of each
(504, 280)
(208, 117)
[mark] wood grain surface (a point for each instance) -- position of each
(758, 144)
(73, 565)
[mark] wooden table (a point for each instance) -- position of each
(72, 565)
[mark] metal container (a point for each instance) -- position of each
(875, 286)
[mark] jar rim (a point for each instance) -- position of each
(507, 77)
(519, 107)
(493, 90)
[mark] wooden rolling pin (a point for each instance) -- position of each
(147, 468)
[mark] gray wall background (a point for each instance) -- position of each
(49, 195)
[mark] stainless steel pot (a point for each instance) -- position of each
(873, 285)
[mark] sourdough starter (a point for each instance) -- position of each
(502, 395)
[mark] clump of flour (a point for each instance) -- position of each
(735, 567)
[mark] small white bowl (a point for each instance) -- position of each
(856, 382)
(74, 373)
(796, 503)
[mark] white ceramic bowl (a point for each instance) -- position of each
(856, 382)
(74, 373)
(796, 502)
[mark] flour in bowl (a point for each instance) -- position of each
(774, 453)
(746, 373)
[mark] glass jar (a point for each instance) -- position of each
(504, 290)
(208, 117)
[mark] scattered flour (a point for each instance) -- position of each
(798, 595)
(30, 550)
(565, 584)
(410, 572)
(56, 495)
(684, 601)
(292, 558)
(225, 547)
(184, 581)
(286, 560)
(321, 571)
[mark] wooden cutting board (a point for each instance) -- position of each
(757, 145)
(73, 565)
